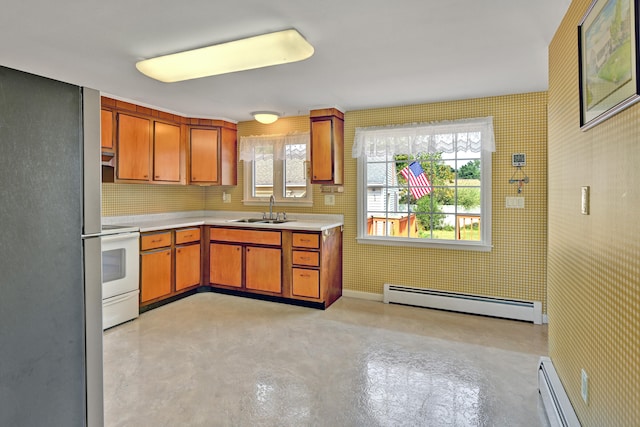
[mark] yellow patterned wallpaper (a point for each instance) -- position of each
(594, 260)
(138, 199)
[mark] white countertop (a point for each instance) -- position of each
(154, 222)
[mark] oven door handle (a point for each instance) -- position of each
(118, 237)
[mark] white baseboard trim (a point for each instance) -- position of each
(379, 297)
(361, 295)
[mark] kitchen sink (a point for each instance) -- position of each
(261, 221)
(248, 220)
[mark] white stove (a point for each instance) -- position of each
(120, 274)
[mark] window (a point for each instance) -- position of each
(426, 184)
(276, 165)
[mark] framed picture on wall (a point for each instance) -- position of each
(608, 56)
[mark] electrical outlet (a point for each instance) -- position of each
(226, 197)
(329, 199)
(584, 390)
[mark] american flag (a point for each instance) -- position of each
(419, 184)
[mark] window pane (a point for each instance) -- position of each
(469, 170)
(468, 200)
(294, 170)
(263, 172)
(468, 227)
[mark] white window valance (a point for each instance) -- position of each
(248, 144)
(474, 135)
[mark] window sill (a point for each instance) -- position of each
(396, 241)
(278, 203)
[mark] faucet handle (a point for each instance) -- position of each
(284, 215)
(264, 215)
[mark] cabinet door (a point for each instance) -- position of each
(263, 269)
(166, 152)
(133, 147)
(106, 129)
(187, 266)
(204, 156)
(321, 150)
(155, 274)
(225, 264)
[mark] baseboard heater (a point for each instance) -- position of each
(557, 406)
(530, 311)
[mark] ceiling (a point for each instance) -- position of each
(368, 53)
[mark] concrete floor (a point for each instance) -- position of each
(218, 360)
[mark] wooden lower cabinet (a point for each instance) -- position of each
(263, 269)
(187, 266)
(225, 264)
(170, 263)
(316, 266)
(249, 260)
(155, 274)
(289, 265)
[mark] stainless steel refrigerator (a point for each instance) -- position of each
(50, 257)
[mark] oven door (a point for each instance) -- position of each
(120, 264)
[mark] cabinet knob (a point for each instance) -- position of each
(157, 176)
(145, 176)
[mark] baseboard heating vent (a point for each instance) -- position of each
(557, 406)
(530, 311)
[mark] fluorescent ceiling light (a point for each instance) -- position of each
(265, 50)
(265, 117)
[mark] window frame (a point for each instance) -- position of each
(279, 184)
(483, 245)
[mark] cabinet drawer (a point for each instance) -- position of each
(187, 235)
(306, 283)
(245, 236)
(155, 240)
(301, 240)
(306, 258)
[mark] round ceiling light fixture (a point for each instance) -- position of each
(265, 117)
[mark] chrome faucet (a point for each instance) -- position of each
(272, 201)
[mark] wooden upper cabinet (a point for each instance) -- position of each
(166, 152)
(154, 146)
(106, 129)
(204, 155)
(327, 146)
(134, 142)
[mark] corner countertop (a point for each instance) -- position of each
(155, 222)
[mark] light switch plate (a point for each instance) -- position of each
(514, 202)
(584, 204)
